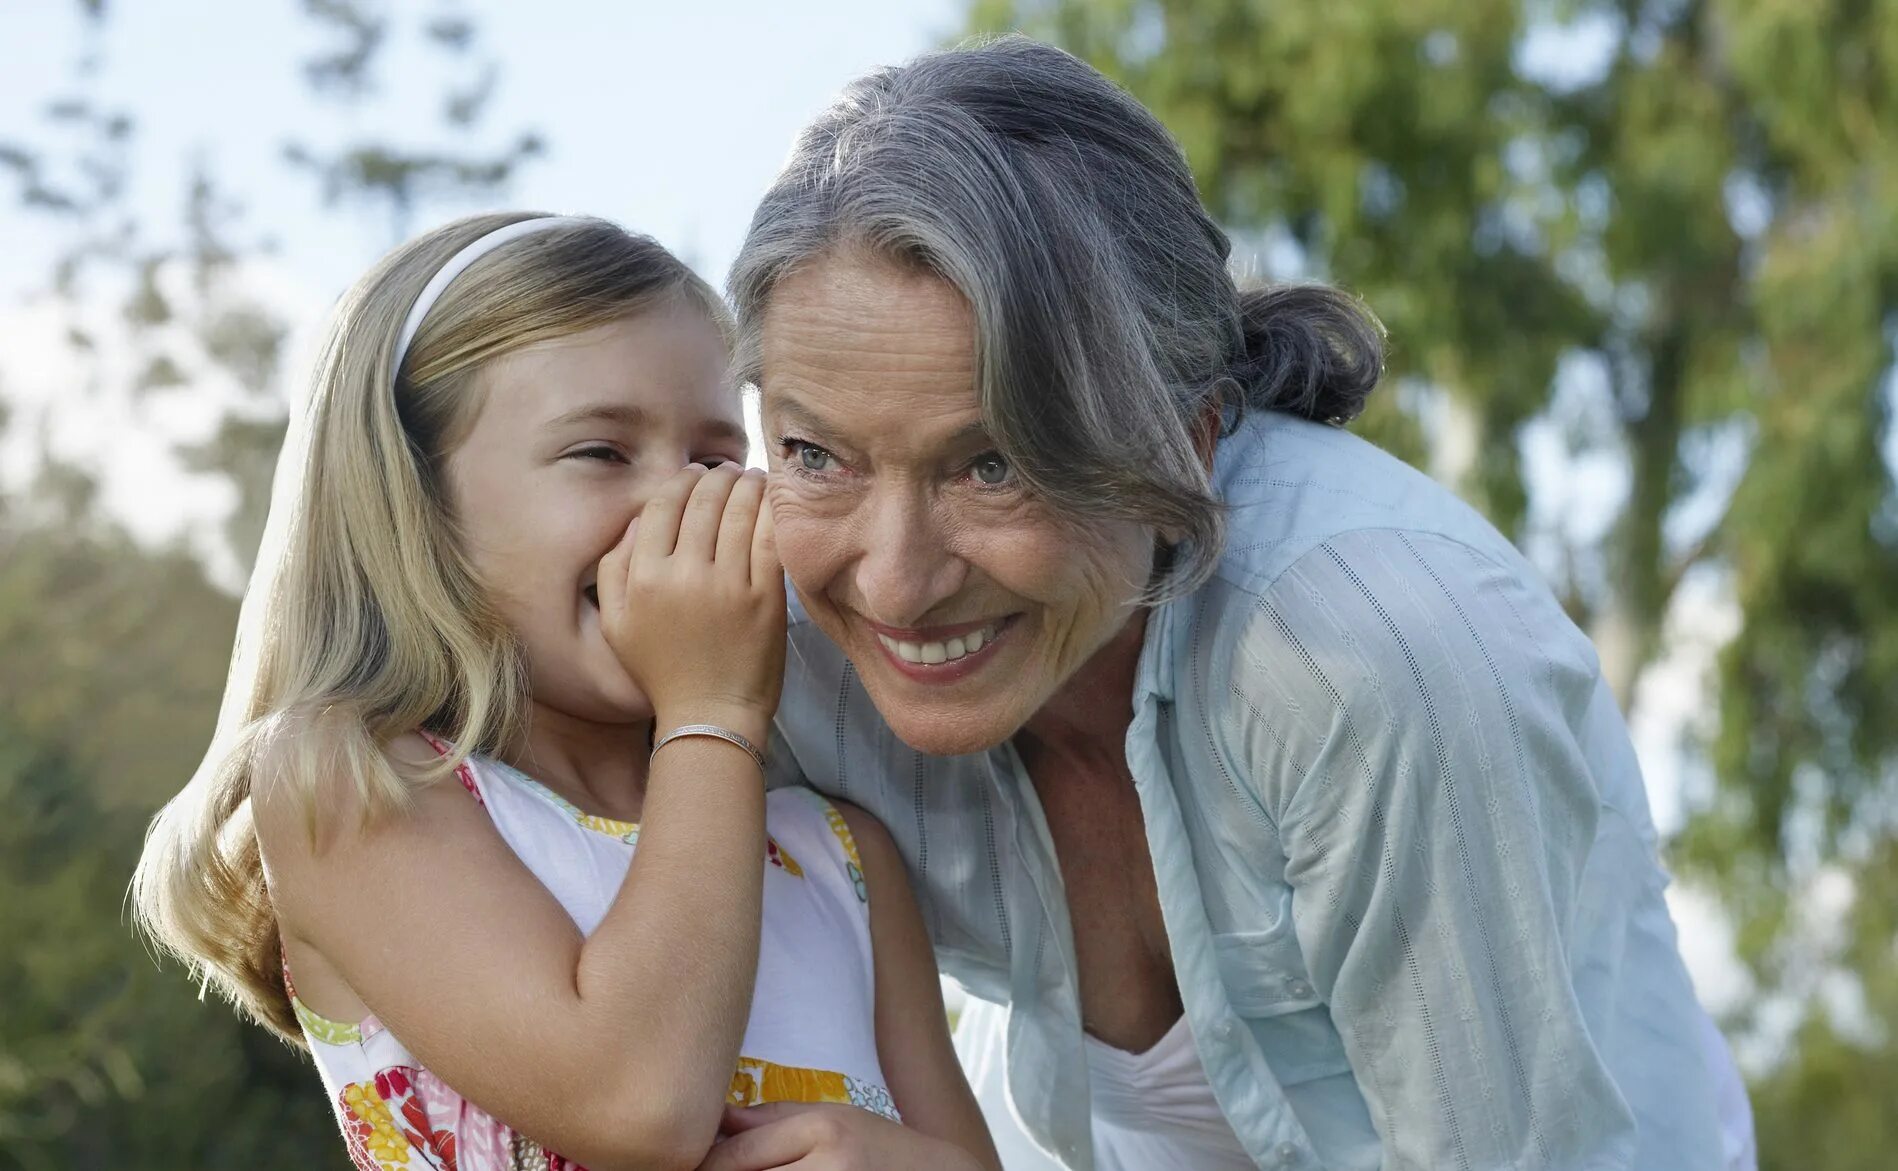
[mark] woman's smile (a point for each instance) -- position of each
(941, 654)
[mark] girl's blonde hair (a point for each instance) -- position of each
(364, 619)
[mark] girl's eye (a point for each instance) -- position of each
(991, 469)
(600, 452)
(809, 456)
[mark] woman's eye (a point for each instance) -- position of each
(991, 469)
(809, 456)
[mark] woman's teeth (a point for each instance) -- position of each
(946, 651)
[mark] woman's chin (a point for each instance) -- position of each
(946, 728)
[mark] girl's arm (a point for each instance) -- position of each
(913, 1044)
(942, 1126)
(616, 1049)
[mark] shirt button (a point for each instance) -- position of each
(1285, 1154)
(1223, 1030)
(1299, 989)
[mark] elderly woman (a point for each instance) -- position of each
(1260, 779)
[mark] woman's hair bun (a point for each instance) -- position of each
(1310, 350)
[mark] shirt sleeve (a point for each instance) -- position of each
(1410, 713)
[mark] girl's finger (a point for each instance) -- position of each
(738, 1119)
(609, 581)
(740, 521)
(765, 567)
(698, 528)
(757, 1143)
(659, 527)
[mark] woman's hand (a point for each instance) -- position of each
(692, 602)
(826, 1137)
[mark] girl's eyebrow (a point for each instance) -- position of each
(725, 429)
(621, 413)
(636, 418)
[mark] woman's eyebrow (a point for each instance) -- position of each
(974, 433)
(795, 412)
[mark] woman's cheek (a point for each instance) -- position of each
(1076, 572)
(811, 529)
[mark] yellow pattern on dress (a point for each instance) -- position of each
(774, 851)
(385, 1142)
(841, 828)
(853, 865)
(757, 1082)
(625, 831)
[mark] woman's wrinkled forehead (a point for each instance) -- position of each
(853, 342)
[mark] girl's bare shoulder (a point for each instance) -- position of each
(317, 782)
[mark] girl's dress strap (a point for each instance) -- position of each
(462, 772)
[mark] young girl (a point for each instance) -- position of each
(518, 613)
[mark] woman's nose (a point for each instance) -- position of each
(906, 568)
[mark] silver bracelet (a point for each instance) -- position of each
(716, 733)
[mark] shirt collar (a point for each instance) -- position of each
(1153, 677)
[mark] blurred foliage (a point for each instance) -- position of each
(114, 660)
(1683, 260)
(1667, 230)
(114, 652)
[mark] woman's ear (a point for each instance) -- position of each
(1207, 426)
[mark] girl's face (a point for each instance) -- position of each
(572, 438)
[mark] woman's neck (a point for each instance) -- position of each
(599, 767)
(1087, 718)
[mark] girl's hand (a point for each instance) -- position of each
(692, 602)
(826, 1137)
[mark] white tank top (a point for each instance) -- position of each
(1152, 1111)
(1156, 1109)
(811, 1036)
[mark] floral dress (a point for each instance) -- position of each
(811, 1036)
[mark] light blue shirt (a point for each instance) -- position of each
(1402, 847)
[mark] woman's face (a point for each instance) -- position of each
(572, 438)
(964, 602)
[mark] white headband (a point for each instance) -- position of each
(457, 264)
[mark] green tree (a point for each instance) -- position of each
(106, 1060)
(1684, 258)
(115, 652)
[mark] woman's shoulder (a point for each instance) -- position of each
(1353, 582)
(1394, 634)
(1292, 486)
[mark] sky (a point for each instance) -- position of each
(668, 118)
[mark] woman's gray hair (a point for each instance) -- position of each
(1107, 324)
